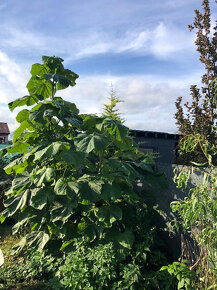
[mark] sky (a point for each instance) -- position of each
(143, 48)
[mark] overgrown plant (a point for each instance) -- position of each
(76, 178)
(197, 216)
(197, 213)
(201, 113)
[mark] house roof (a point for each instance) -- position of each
(4, 128)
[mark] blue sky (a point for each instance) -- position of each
(142, 47)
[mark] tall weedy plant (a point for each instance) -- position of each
(201, 115)
(197, 215)
(77, 173)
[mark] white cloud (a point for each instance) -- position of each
(148, 103)
(148, 99)
(159, 31)
(24, 39)
(170, 40)
(162, 41)
(176, 3)
(13, 79)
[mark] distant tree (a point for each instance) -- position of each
(201, 114)
(110, 109)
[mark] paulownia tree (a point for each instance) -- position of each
(77, 173)
(201, 114)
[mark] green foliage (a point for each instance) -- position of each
(197, 214)
(4, 185)
(87, 267)
(199, 115)
(182, 273)
(74, 188)
(3, 175)
(31, 270)
(76, 174)
(110, 110)
(100, 268)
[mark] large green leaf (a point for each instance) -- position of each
(20, 181)
(41, 112)
(111, 191)
(18, 225)
(124, 167)
(86, 193)
(44, 175)
(118, 133)
(95, 182)
(63, 187)
(26, 124)
(72, 120)
(70, 76)
(60, 103)
(23, 219)
(126, 239)
(38, 70)
(96, 185)
(61, 213)
(109, 214)
(41, 197)
(8, 169)
(50, 113)
(18, 165)
(114, 128)
(18, 147)
(50, 151)
(90, 122)
(71, 106)
(90, 188)
(53, 62)
(73, 157)
(38, 115)
(63, 209)
(89, 142)
(40, 87)
(22, 115)
(63, 79)
(26, 100)
(68, 113)
(16, 202)
(37, 239)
